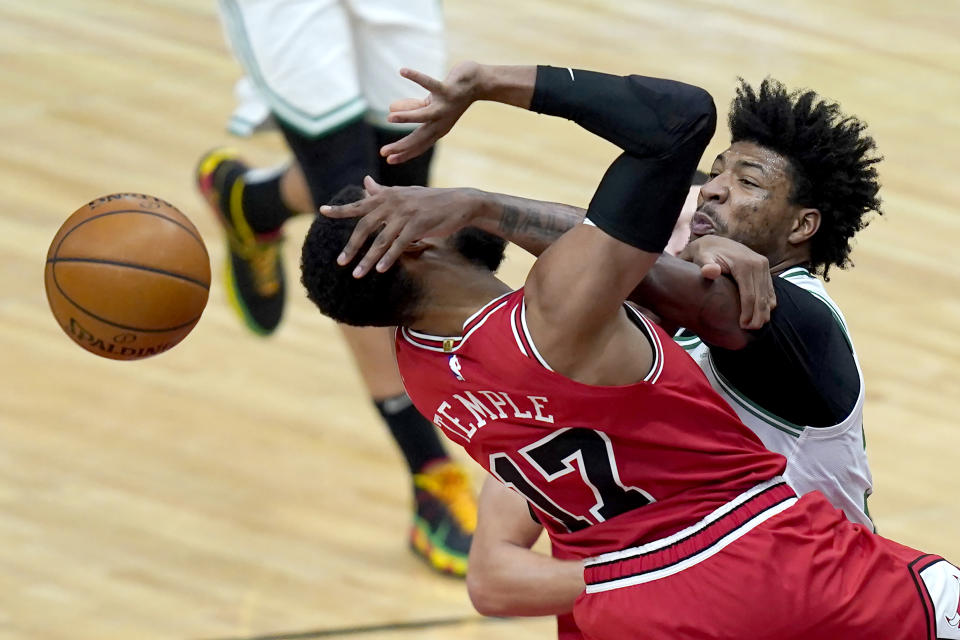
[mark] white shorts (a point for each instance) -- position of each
(317, 64)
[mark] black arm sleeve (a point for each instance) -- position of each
(800, 366)
(662, 125)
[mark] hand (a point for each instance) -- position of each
(399, 216)
(437, 113)
(750, 270)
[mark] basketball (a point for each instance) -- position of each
(127, 276)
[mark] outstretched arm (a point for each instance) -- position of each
(575, 290)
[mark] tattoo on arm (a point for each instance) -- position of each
(536, 225)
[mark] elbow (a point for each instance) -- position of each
(484, 594)
(689, 122)
(701, 114)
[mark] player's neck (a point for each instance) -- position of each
(453, 296)
(780, 264)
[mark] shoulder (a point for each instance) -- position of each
(803, 302)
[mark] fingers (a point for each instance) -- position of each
(384, 241)
(353, 210)
(365, 226)
(408, 104)
(423, 114)
(410, 146)
(371, 187)
(749, 306)
(757, 297)
(711, 271)
(427, 82)
(400, 244)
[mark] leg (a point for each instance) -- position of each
(392, 35)
(333, 146)
(309, 85)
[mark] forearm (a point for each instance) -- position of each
(505, 577)
(522, 582)
(641, 115)
(677, 292)
(508, 84)
(662, 126)
(533, 225)
(644, 116)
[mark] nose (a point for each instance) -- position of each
(714, 190)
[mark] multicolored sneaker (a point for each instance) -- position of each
(445, 517)
(255, 280)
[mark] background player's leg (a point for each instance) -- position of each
(414, 172)
(390, 35)
(312, 92)
(300, 59)
(444, 510)
(372, 349)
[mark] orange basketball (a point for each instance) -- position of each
(127, 276)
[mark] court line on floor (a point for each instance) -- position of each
(373, 628)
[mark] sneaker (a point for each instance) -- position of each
(445, 517)
(255, 281)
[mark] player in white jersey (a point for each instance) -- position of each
(831, 459)
(325, 73)
(807, 402)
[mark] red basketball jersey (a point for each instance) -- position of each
(605, 467)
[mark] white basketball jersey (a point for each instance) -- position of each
(832, 460)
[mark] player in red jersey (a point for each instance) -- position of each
(821, 159)
(609, 430)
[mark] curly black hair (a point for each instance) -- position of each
(377, 299)
(832, 161)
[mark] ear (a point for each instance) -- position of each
(415, 248)
(805, 225)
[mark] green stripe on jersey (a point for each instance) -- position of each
(304, 122)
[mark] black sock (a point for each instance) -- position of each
(415, 435)
(263, 207)
(414, 172)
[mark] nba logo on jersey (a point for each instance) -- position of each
(942, 581)
(454, 363)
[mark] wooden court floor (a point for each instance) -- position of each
(240, 487)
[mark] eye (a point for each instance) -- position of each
(748, 182)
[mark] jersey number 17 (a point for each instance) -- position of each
(553, 457)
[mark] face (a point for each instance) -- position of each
(747, 200)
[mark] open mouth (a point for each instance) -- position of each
(701, 224)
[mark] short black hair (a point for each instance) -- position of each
(832, 161)
(377, 299)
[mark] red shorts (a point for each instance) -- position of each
(567, 628)
(776, 568)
